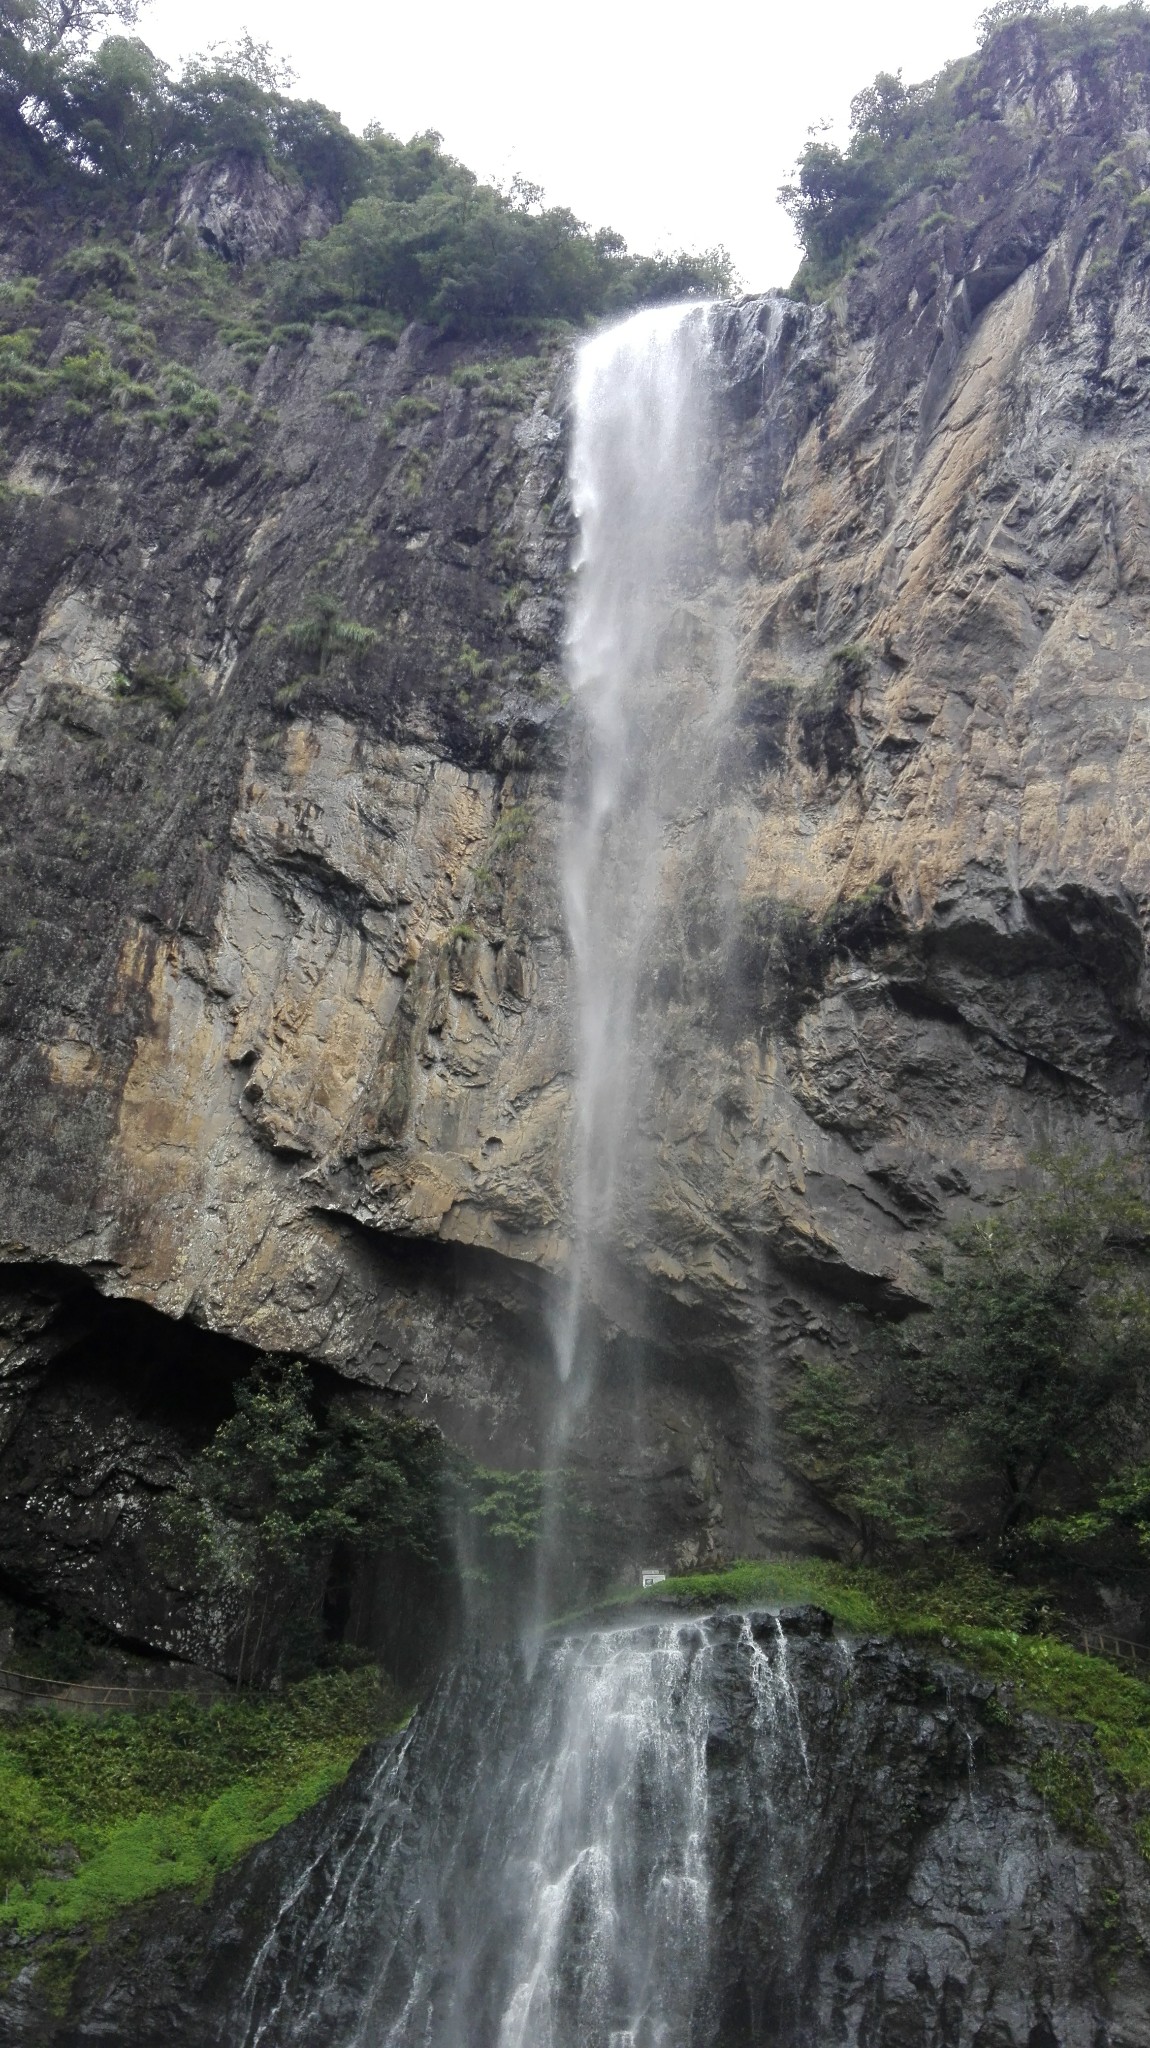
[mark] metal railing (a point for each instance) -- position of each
(94, 1696)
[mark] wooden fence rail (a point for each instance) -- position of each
(1099, 1642)
(96, 1697)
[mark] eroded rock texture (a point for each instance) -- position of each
(285, 1010)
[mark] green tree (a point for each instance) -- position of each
(281, 1487)
(1016, 1407)
(845, 1432)
(1036, 1350)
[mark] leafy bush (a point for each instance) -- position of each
(282, 1489)
(97, 266)
(325, 633)
(426, 241)
(146, 681)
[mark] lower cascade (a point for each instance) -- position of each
(710, 1833)
(540, 1867)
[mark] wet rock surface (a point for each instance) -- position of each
(877, 1868)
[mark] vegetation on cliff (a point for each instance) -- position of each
(97, 121)
(1014, 1416)
(103, 1811)
(926, 139)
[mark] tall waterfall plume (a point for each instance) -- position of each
(638, 477)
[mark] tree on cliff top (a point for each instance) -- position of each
(907, 139)
(420, 237)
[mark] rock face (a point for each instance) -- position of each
(240, 211)
(825, 1842)
(286, 1047)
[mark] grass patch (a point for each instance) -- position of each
(103, 1812)
(989, 1623)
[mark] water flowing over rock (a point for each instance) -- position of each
(683, 1834)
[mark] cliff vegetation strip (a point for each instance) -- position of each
(103, 1812)
(399, 231)
(973, 1616)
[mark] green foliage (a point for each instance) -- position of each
(146, 681)
(101, 1812)
(1068, 1790)
(866, 1599)
(898, 134)
(324, 632)
(426, 241)
(510, 1505)
(110, 110)
(407, 412)
(94, 386)
(349, 402)
(1005, 11)
(97, 266)
(1038, 1348)
(514, 823)
(849, 666)
(189, 403)
(22, 380)
(418, 237)
(846, 1435)
(1027, 1383)
(281, 1488)
(1114, 1529)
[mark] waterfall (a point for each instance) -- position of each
(537, 1866)
(547, 1860)
(638, 469)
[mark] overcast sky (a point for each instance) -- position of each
(676, 127)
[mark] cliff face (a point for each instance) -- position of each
(286, 1041)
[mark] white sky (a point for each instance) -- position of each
(675, 128)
